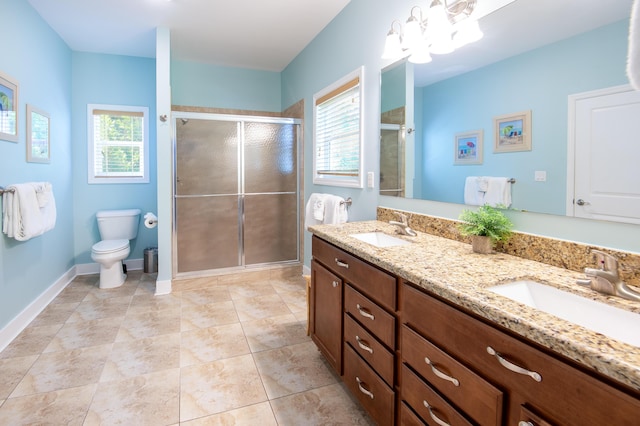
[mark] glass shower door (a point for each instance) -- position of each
(207, 195)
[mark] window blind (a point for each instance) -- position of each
(338, 131)
(118, 138)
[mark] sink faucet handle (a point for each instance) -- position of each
(606, 261)
(403, 217)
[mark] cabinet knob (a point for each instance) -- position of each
(335, 284)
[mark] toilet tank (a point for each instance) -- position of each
(118, 224)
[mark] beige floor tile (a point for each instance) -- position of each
(63, 370)
(293, 369)
(288, 284)
(138, 357)
(32, 341)
(73, 293)
(205, 296)
(12, 371)
(150, 399)
(205, 316)
(62, 407)
(83, 334)
(329, 405)
(244, 277)
(253, 308)
(274, 332)
(148, 324)
(286, 272)
(193, 283)
(127, 289)
(55, 314)
(210, 344)
(100, 308)
(144, 303)
(258, 414)
(296, 300)
(251, 289)
(219, 386)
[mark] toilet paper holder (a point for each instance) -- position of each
(150, 220)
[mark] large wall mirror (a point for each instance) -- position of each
(535, 56)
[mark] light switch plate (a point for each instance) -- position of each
(370, 178)
(540, 176)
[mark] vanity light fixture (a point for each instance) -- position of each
(446, 27)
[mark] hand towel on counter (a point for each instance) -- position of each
(498, 192)
(29, 211)
(334, 210)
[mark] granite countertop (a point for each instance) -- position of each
(451, 270)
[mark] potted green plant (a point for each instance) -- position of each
(485, 226)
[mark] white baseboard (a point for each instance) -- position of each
(22, 320)
(306, 270)
(163, 287)
(94, 268)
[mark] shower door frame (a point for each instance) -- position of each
(240, 119)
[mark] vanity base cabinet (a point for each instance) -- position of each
(553, 389)
(326, 314)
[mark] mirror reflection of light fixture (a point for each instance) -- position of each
(445, 28)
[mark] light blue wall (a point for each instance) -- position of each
(393, 82)
(540, 81)
(355, 38)
(40, 62)
(206, 85)
(111, 80)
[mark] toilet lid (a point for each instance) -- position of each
(109, 246)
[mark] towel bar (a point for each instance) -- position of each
(347, 202)
(512, 180)
(2, 190)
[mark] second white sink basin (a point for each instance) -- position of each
(599, 317)
(380, 239)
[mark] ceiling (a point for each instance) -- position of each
(254, 34)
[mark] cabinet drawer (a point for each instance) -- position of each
(568, 394)
(375, 319)
(427, 403)
(379, 285)
(374, 395)
(408, 417)
(368, 347)
(476, 397)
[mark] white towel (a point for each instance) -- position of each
(498, 192)
(335, 210)
(28, 212)
(472, 194)
(309, 216)
(633, 55)
(318, 206)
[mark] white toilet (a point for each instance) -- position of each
(116, 228)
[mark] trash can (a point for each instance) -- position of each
(151, 260)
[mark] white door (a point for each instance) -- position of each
(605, 138)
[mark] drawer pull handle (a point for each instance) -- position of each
(512, 367)
(341, 263)
(440, 373)
(523, 423)
(363, 345)
(335, 284)
(365, 313)
(433, 415)
(362, 389)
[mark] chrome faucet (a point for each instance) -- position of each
(606, 279)
(403, 227)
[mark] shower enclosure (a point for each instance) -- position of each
(392, 153)
(236, 192)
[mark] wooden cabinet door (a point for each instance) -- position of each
(326, 314)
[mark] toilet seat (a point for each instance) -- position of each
(109, 246)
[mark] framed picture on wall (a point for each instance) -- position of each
(8, 108)
(512, 132)
(38, 135)
(468, 147)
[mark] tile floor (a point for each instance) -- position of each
(229, 350)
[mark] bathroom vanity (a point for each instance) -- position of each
(419, 339)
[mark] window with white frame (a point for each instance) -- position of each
(337, 143)
(118, 144)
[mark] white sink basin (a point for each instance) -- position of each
(380, 239)
(602, 318)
